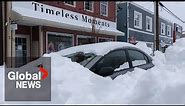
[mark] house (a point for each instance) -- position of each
(138, 23)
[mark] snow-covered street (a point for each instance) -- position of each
(74, 84)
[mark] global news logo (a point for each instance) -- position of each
(27, 79)
(29, 82)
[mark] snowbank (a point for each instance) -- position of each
(176, 54)
(96, 48)
(143, 46)
(163, 84)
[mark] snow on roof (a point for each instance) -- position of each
(96, 48)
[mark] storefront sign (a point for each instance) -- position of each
(63, 14)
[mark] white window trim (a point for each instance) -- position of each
(92, 7)
(84, 36)
(168, 26)
(140, 23)
(58, 34)
(147, 17)
(70, 4)
(162, 28)
(106, 9)
(104, 38)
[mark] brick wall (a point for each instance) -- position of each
(80, 8)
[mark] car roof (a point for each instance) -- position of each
(96, 48)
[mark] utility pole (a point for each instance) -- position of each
(156, 26)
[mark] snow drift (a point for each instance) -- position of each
(163, 84)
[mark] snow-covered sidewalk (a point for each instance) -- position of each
(74, 84)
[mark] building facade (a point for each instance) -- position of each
(177, 32)
(49, 26)
(138, 23)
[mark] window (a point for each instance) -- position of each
(89, 5)
(178, 29)
(116, 59)
(104, 8)
(148, 23)
(137, 20)
(82, 39)
(169, 30)
(137, 58)
(163, 28)
(71, 3)
(58, 42)
(100, 39)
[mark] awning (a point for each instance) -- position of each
(30, 17)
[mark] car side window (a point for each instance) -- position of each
(137, 58)
(116, 59)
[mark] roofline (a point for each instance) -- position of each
(145, 9)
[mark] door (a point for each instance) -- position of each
(21, 49)
(117, 60)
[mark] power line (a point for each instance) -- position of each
(170, 12)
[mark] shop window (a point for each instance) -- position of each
(89, 5)
(82, 39)
(59, 42)
(104, 8)
(104, 39)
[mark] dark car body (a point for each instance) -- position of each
(109, 64)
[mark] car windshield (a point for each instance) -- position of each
(81, 58)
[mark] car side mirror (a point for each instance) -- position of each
(105, 71)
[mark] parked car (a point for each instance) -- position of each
(109, 58)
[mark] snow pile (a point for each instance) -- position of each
(143, 46)
(96, 48)
(176, 54)
(163, 84)
(74, 84)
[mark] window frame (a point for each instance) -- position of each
(178, 29)
(150, 18)
(85, 36)
(111, 39)
(100, 59)
(140, 20)
(170, 31)
(92, 6)
(130, 62)
(58, 34)
(70, 4)
(163, 29)
(106, 8)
